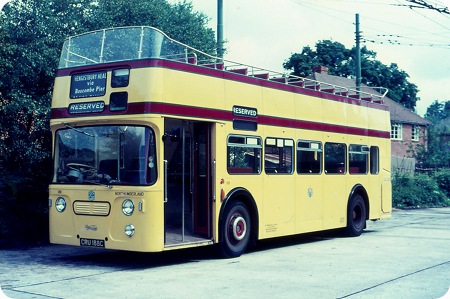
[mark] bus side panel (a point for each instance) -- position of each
(335, 196)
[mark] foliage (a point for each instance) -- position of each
(442, 178)
(438, 111)
(436, 154)
(418, 191)
(341, 62)
(31, 36)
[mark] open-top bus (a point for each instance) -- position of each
(158, 146)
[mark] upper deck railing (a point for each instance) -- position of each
(143, 42)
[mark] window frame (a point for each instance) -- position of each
(415, 133)
(318, 150)
(338, 170)
(280, 144)
(396, 131)
(250, 142)
(357, 151)
(375, 159)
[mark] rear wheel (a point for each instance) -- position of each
(356, 216)
(235, 230)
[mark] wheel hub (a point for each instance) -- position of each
(239, 228)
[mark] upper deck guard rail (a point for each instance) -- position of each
(142, 42)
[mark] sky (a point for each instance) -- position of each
(264, 33)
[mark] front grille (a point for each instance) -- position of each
(97, 208)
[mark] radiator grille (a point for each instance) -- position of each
(97, 208)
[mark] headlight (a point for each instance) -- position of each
(127, 207)
(60, 204)
(129, 230)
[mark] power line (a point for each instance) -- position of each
(375, 35)
(424, 4)
(393, 41)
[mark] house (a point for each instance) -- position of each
(408, 130)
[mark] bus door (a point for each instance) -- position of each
(187, 216)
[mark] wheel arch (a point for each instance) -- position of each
(359, 189)
(243, 195)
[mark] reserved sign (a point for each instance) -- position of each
(91, 107)
(88, 85)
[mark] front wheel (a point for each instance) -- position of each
(236, 229)
(356, 216)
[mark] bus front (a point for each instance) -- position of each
(106, 189)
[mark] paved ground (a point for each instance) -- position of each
(404, 257)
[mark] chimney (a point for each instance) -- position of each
(320, 69)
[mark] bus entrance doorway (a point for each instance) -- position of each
(187, 166)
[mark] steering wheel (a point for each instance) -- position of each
(83, 168)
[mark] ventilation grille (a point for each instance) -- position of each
(97, 208)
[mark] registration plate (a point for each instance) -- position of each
(92, 242)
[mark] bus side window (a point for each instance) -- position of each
(335, 158)
(278, 155)
(309, 157)
(244, 154)
(358, 159)
(374, 160)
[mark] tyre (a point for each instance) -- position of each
(356, 216)
(235, 230)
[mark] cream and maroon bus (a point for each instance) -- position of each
(158, 146)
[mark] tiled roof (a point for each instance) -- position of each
(399, 113)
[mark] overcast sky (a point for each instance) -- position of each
(264, 33)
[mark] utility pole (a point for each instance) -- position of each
(220, 28)
(358, 55)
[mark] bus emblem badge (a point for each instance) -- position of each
(310, 192)
(91, 195)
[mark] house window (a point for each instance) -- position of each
(396, 131)
(415, 133)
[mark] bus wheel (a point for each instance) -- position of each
(235, 230)
(356, 216)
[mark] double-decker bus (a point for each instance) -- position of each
(158, 146)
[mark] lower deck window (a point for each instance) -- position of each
(374, 160)
(278, 155)
(309, 157)
(244, 154)
(358, 159)
(335, 158)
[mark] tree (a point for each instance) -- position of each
(31, 36)
(437, 153)
(438, 111)
(340, 62)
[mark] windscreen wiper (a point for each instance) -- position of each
(77, 130)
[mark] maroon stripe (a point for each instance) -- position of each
(223, 115)
(198, 69)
